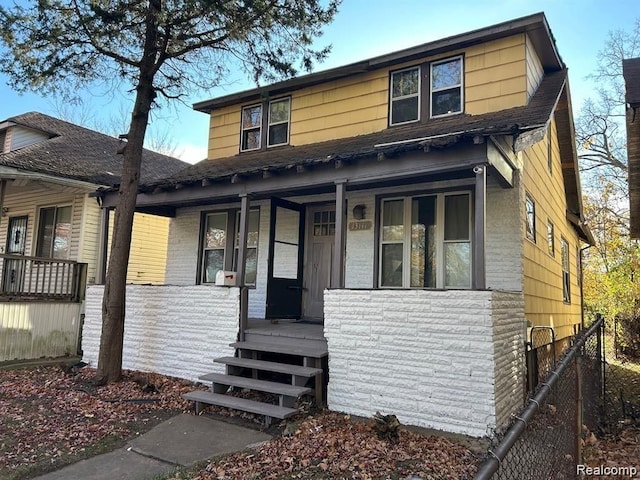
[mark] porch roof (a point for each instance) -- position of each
(389, 142)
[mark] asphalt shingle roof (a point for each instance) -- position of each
(81, 154)
(445, 130)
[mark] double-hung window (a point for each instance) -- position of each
(566, 278)
(405, 96)
(530, 218)
(446, 87)
(277, 125)
(426, 91)
(220, 247)
(54, 233)
(425, 241)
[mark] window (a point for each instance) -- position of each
(279, 116)
(405, 96)
(251, 128)
(530, 213)
(218, 253)
(446, 87)
(566, 279)
(551, 243)
(54, 233)
(425, 241)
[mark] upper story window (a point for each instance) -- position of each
(277, 125)
(441, 93)
(446, 87)
(405, 96)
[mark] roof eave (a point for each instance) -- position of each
(535, 26)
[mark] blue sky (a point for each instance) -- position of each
(366, 28)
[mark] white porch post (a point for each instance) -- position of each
(103, 246)
(241, 267)
(337, 269)
(479, 275)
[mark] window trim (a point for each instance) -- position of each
(418, 94)
(531, 236)
(258, 128)
(459, 85)
(265, 124)
(37, 241)
(230, 248)
(271, 124)
(406, 242)
(566, 273)
(551, 240)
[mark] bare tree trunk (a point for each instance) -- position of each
(114, 299)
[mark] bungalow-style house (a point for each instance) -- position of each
(50, 234)
(631, 73)
(388, 227)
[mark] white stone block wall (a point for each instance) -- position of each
(426, 356)
(509, 335)
(173, 330)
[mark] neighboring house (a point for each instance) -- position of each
(51, 224)
(631, 73)
(419, 206)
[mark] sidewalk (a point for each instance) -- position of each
(180, 441)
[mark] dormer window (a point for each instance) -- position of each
(405, 96)
(277, 125)
(446, 87)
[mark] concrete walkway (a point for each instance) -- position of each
(180, 441)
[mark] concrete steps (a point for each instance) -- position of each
(297, 368)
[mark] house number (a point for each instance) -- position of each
(365, 225)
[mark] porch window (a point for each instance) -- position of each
(566, 278)
(425, 241)
(405, 96)
(220, 252)
(54, 233)
(446, 87)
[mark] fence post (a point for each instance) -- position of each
(579, 406)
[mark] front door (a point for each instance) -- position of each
(286, 250)
(322, 228)
(13, 270)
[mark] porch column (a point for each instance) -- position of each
(103, 246)
(479, 276)
(337, 269)
(241, 266)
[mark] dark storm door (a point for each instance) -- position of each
(13, 270)
(286, 250)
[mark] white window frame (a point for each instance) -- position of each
(439, 239)
(258, 128)
(418, 94)
(204, 248)
(272, 124)
(551, 240)
(566, 270)
(53, 237)
(450, 87)
(530, 236)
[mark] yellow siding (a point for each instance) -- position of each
(90, 237)
(535, 72)
(543, 273)
(495, 78)
(148, 252)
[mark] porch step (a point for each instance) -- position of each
(221, 400)
(254, 384)
(312, 352)
(263, 365)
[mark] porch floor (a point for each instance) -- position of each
(286, 328)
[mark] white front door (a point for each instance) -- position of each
(321, 233)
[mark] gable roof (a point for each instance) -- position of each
(391, 141)
(535, 26)
(79, 153)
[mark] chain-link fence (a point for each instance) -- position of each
(544, 439)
